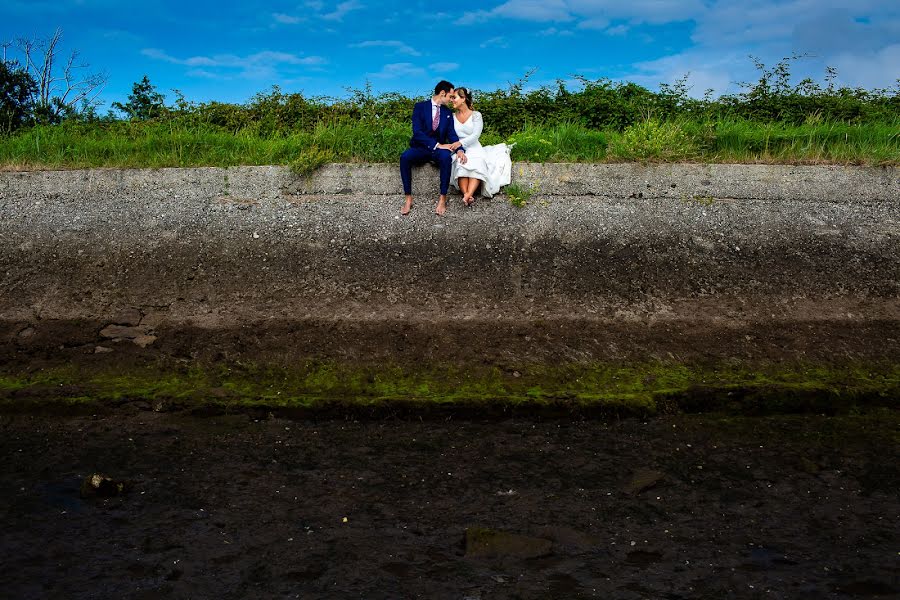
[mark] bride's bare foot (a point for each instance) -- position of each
(407, 207)
(468, 200)
(442, 206)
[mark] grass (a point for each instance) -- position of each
(173, 144)
(518, 194)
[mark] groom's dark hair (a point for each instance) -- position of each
(442, 86)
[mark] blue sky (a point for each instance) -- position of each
(229, 51)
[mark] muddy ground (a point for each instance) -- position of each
(244, 506)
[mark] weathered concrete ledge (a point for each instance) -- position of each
(628, 180)
(697, 267)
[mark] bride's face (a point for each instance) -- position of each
(457, 100)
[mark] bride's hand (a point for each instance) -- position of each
(462, 157)
(455, 145)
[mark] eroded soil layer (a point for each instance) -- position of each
(242, 506)
(187, 274)
(364, 367)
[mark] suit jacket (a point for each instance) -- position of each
(423, 136)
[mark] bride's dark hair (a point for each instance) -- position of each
(466, 95)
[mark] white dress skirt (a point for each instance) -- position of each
(490, 164)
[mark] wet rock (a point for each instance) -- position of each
(101, 486)
(128, 317)
(567, 538)
(642, 480)
(490, 543)
(102, 350)
(144, 340)
(26, 333)
(122, 331)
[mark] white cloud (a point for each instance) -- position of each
(396, 45)
(534, 10)
(526, 10)
(496, 42)
(705, 71)
(879, 69)
(639, 11)
(590, 14)
(254, 66)
(596, 23)
(443, 67)
(341, 10)
(858, 37)
(317, 9)
(232, 60)
(395, 70)
(287, 19)
(204, 74)
(553, 31)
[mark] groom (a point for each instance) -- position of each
(432, 139)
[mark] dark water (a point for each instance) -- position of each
(237, 507)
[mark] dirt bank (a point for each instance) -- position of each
(696, 266)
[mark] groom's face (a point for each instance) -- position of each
(444, 97)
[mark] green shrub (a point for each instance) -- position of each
(518, 194)
(309, 160)
(653, 140)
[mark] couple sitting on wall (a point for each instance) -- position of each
(451, 141)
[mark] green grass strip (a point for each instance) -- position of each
(172, 143)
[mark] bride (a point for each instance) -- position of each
(487, 166)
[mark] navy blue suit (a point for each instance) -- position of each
(421, 145)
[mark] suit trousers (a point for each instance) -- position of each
(413, 157)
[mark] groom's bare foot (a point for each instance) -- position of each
(407, 206)
(442, 206)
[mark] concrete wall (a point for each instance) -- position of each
(630, 180)
(605, 262)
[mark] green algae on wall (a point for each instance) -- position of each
(639, 389)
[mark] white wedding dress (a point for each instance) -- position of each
(490, 164)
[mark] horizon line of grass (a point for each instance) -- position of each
(173, 144)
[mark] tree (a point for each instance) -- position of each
(16, 89)
(58, 93)
(144, 102)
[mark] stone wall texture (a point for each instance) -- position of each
(695, 262)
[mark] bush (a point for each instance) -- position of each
(309, 160)
(653, 140)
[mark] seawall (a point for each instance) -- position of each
(700, 267)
